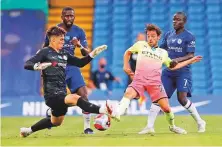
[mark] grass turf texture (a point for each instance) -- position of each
(123, 133)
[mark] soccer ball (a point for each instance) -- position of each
(102, 122)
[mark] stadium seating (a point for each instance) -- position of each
(21, 37)
(123, 20)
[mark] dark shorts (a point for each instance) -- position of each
(57, 104)
(181, 82)
(74, 78)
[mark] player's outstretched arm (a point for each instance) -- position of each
(126, 65)
(81, 62)
(35, 62)
(184, 58)
(175, 66)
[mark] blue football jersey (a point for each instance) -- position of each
(77, 32)
(179, 45)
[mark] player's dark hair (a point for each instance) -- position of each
(55, 31)
(67, 9)
(184, 15)
(152, 27)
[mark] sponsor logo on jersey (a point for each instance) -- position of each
(151, 55)
(176, 49)
(191, 44)
(68, 46)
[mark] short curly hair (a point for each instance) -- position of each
(55, 31)
(152, 27)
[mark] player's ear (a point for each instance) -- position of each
(52, 38)
(159, 37)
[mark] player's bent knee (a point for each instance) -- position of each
(85, 98)
(82, 91)
(166, 109)
(56, 123)
(71, 99)
(130, 93)
(182, 100)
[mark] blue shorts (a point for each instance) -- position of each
(74, 78)
(180, 81)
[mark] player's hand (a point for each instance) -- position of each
(196, 59)
(41, 66)
(98, 50)
(128, 71)
(131, 75)
(76, 42)
(173, 63)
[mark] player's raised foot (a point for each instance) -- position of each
(112, 111)
(201, 126)
(88, 131)
(98, 50)
(147, 130)
(24, 132)
(177, 130)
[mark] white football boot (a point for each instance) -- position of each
(24, 132)
(147, 130)
(201, 126)
(113, 110)
(177, 130)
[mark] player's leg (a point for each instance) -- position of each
(82, 91)
(42, 124)
(164, 104)
(59, 109)
(158, 95)
(135, 89)
(76, 84)
(129, 94)
(169, 87)
(184, 85)
(76, 100)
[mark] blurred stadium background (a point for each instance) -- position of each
(115, 23)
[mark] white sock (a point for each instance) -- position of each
(154, 111)
(86, 118)
(103, 110)
(193, 111)
(123, 105)
(29, 130)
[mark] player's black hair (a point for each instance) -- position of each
(55, 31)
(184, 15)
(151, 27)
(67, 9)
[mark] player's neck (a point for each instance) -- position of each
(179, 30)
(54, 47)
(65, 28)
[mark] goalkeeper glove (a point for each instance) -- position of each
(41, 66)
(97, 51)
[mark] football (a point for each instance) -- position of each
(102, 122)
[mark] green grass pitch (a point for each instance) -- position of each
(123, 133)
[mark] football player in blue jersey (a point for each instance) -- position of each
(180, 44)
(75, 37)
